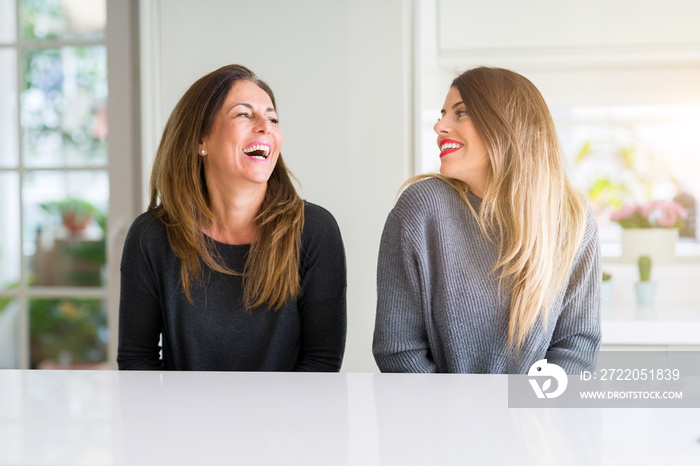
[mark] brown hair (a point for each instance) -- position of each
(530, 209)
(179, 198)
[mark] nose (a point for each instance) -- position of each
(263, 126)
(441, 127)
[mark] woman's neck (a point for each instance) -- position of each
(477, 189)
(235, 210)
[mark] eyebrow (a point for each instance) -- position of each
(247, 105)
(442, 112)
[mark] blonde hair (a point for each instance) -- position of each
(530, 209)
(179, 198)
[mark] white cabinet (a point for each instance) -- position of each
(569, 33)
(673, 322)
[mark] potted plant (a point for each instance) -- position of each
(75, 214)
(645, 289)
(67, 332)
(650, 229)
(76, 257)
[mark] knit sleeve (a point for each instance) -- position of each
(140, 320)
(577, 335)
(322, 304)
(400, 336)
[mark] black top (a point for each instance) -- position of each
(216, 333)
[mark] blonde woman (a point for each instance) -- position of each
(495, 262)
(229, 266)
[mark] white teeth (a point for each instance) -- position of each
(450, 145)
(262, 147)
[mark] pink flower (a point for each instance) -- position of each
(663, 214)
(649, 209)
(625, 211)
(677, 210)
(667, 221)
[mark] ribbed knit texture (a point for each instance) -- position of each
(439, 308)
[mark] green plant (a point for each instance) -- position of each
(626, 179)
(606, 277)
(67, 330)
(607, 188)
(74, 214)
(644, 264)
(5, 300)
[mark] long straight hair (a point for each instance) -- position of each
(179, 198)
(530, 209)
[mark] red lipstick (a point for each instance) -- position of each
(449, 145)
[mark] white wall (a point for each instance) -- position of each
(341, 73)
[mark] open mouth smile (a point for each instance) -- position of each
(447, 146)
(257, 150)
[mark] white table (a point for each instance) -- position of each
(195, 418)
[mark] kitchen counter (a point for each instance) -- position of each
(197, 418)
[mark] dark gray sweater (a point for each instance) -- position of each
(216, 333)
(438, 312)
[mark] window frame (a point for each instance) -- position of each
(123, 169)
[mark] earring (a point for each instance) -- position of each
(203, 152)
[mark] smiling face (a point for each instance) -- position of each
(244, 142)
(463, 154)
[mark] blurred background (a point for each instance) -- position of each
(87, 85)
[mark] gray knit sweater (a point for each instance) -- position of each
(439, 310)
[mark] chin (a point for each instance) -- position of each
(445, 171)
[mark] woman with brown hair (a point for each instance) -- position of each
(229, 266)
(495, 263)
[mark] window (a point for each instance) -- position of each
(56, 180)
(628, 154)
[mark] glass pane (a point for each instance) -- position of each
(62, 19)
(8, 108)
(64, 227)
(626, 155)
(8, 30)
(62, 107)
(67, 333)
(9, 312)
(9, 231)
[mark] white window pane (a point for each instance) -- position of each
(9, 317)
(63, 19)
(8, 29)
(9, 231)
(8, 107)
(622, 155)
(63, 107)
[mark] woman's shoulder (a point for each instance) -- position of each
(427, 196)
(321, 230)
(147, 229)
(431, 186)
(318, 221)
(591, 230)
(590, 242)
(317, 215)
(147, 221)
